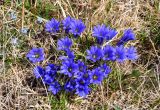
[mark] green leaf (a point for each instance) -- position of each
(117, 108)
(135, 73)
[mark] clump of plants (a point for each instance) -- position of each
(74, 74)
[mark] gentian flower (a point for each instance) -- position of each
(105, 69)
(38, 72)
(64, 44)
(70, 85)
(109, 53)
(127, 36)
(94, 54)
(100, 31)
(54, 87)
(51, 69)
(13, 16)
(83, 91)
(111, 33)
(66, 23)
(120, 53)
(52, 26)
(131, 53)
(96, 76)
(48, 79)
(81, 82)
(14, 41)
(100, 40)
(77, 27)
(39, 20)
(82, 67)
(70, 54)
(50, 73)
(24, 30)
(86, 76)
(36, 55)
(69, 67)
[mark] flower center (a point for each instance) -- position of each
(73, 83)
(36, 55)
(81, 68)
(94, 56)
(77, 30)
(86, 75)
(82, 82)
(51, 28)
(95, 77)
(117, 56)
(106, 55)
(101, 34)
(70, 69)
(103, 70)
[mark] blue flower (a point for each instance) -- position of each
(64, 44)
(81, 82)
(48, 79)
(100, 31)
(109, 53)
(82, 91)
(70, 54)
(39, 20)
(105, 69)
(14, 41)
(111, 33)
(96, 76)
(77, 27)
(131, 53)
(120, 53)
(50, 73)
(13, 15)
(36, 55)
(66, 23)
(100, 40)
(51, 69)
(38, 72)
(86, 76)
(69, 67)
(54, 87)
(24, 30)
(94, 54)
(70, 85)
(82, 67)
(127, 36)
(52, 26)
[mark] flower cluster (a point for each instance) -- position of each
(110, 53)
(77, 75)
(70, 25)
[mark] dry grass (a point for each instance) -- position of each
(122, 90)
(17, 93)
